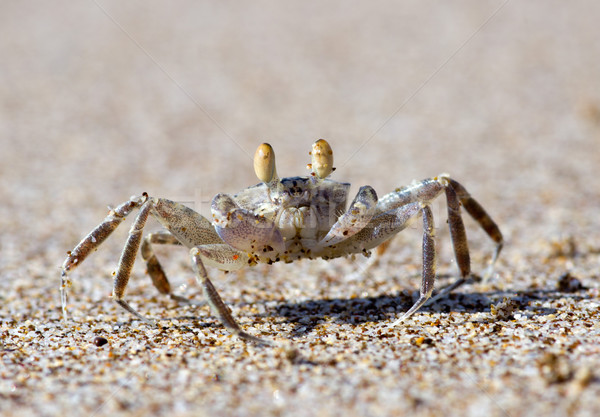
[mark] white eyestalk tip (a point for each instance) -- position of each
(322, 159)
(264, 163)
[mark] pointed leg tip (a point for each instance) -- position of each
(402, 319)
(247, 337)
(396, 323)
(489, 271)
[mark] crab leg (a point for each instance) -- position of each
(460, 244)
(153, 266)
(91, 242)
(186, 227)
(182, 223)
(215, 302)
(456, 195)
(385, 225)
(224, 257)
(220, 256)
(127, 260)
(395, 211)
(479, 214)
(95, 238)
(429, 264)
(189, 227)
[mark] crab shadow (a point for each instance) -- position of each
(309, 314)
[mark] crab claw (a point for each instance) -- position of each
(244, 230)
(357, 216)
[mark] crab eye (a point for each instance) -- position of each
(322, 158)
(264, 163)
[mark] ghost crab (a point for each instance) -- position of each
(284, 220)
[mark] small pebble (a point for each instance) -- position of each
(100, 341)
(569, 283)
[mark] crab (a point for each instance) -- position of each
(285, 220)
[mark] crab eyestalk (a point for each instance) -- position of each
(322, 159)
(264, 166)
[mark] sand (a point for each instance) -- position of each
(103, 100)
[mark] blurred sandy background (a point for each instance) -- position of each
(101, 100)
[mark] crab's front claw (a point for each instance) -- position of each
(357, 216)
(244, 230)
